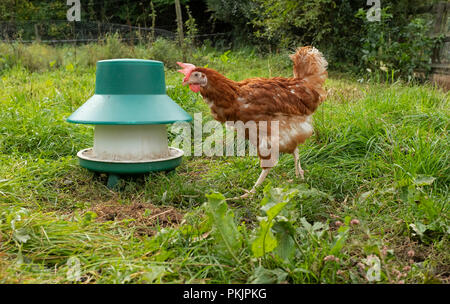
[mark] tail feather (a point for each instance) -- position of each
(311, 66)
(309, 61)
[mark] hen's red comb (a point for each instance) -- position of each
(187, 69)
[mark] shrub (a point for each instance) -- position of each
(89, 54)
(390, 50)
(166, 51)
(6, 57)
(40, 57)
(348, 40)
(115, 48)
(110, 47)
(34, 57)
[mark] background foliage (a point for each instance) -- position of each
(393, 47)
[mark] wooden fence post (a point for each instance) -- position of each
(439, 26)
(440, 66)
(99, 32)
(36, 33)
(179, 21)
(153, 21)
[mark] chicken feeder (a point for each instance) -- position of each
(130, 110)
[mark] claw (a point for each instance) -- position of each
(261, 178)
(247, 194)
(298, 167)
(300, 174)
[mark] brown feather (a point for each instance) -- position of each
(290, 101)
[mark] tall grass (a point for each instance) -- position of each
(38, 57)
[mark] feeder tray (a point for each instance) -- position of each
(130, 111)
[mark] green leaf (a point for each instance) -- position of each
(318, 226)
(267, 276)
(264, 241)
(155, 274)
(286, 245)
(272, 205)
(89, 217)
(424, 180)
(163, 255)
(347, 220)
(147, 213)
(339, 244)
(69, 67)
(419, 228)
(273, 209)
(225, 231)
(305, 224)
(21, 235)
(74, 269)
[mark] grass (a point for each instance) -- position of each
(379, 155)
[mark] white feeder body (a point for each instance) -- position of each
(130, 142)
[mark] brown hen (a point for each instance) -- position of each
(285, 104)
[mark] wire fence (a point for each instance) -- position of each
(62, 31)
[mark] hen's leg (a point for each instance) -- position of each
(298, 167)
(266, 164)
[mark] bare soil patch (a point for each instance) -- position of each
(146, 217)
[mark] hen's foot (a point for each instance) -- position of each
(246, 195)
(300, 173)
(261, 178)
(298, 167)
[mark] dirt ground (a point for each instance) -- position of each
(145, 217)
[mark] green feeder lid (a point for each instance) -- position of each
(129, 92)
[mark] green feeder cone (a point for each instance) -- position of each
(130, 109)
(129, 92)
